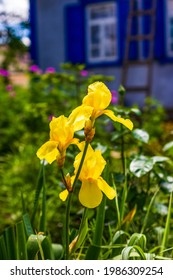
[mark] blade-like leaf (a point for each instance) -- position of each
(138, 239)
(21, 241)
(159, 159)
(27, 224)
(40, 183)
(3, 250)
(10, 241)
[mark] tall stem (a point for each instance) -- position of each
(69, 202)
(122, 150)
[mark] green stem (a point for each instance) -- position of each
(167, 226)
(116, 204)
(122, 150)
(148, 211)
(43, 216)
(124, 195)
(80, 165)
(80, 234)
(93, 251)
(67, 219)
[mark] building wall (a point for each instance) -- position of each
(162, 86)
(51, 32)
(51, 52)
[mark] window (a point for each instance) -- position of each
(102, 32)
(169, 25)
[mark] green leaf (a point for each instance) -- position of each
(27, 224)
(141, 135)
(166, 186)
(82, 235)
(136, 111)
(138, 239)
(3, 250)
(58, 251)
(159, 159)
(118, 234)
(47, 248)
(33, 245)
(141, 165)
(40, 183)
(129, 252)
(161, 209)
(94, 249)
(168, 146)
(10, 243)
(21, 241)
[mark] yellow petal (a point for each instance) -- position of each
(99, 96)
(93, 165)
(48, 151)
(79, 116)
(90, 195)
(61, 131)
(74, 141)
(126, 122)
(63, 195)
(105, 188)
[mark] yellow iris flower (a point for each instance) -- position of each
(61, 136)
(90, 194)
(95, 103)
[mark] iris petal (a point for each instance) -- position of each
(90, 195)
(63, 195)
(125, 122)
(48, 151)
(99, 96)
(79, 116)
(105, 188)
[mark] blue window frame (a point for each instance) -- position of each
(169, 28)
(95, 34)
(101, 32)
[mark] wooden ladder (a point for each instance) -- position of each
(147, 61)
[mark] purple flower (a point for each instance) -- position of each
(4, 72)
(50, 117)
(9, 88)
(12, 94)
(35, 69)
(114, 97)
(84, 73)
(50, 70)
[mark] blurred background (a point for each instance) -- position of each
(131, 40)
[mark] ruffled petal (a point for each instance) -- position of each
(48, 151)
(60, 131)
(79, 116)
(105, 188)
(99, 96)
(63, 195)
(126, 122)
(90, 195)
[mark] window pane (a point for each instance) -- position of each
(103, 11)
(95, 52)
(169, 27)
(109, 40)
(95, 30)
(101, 32)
